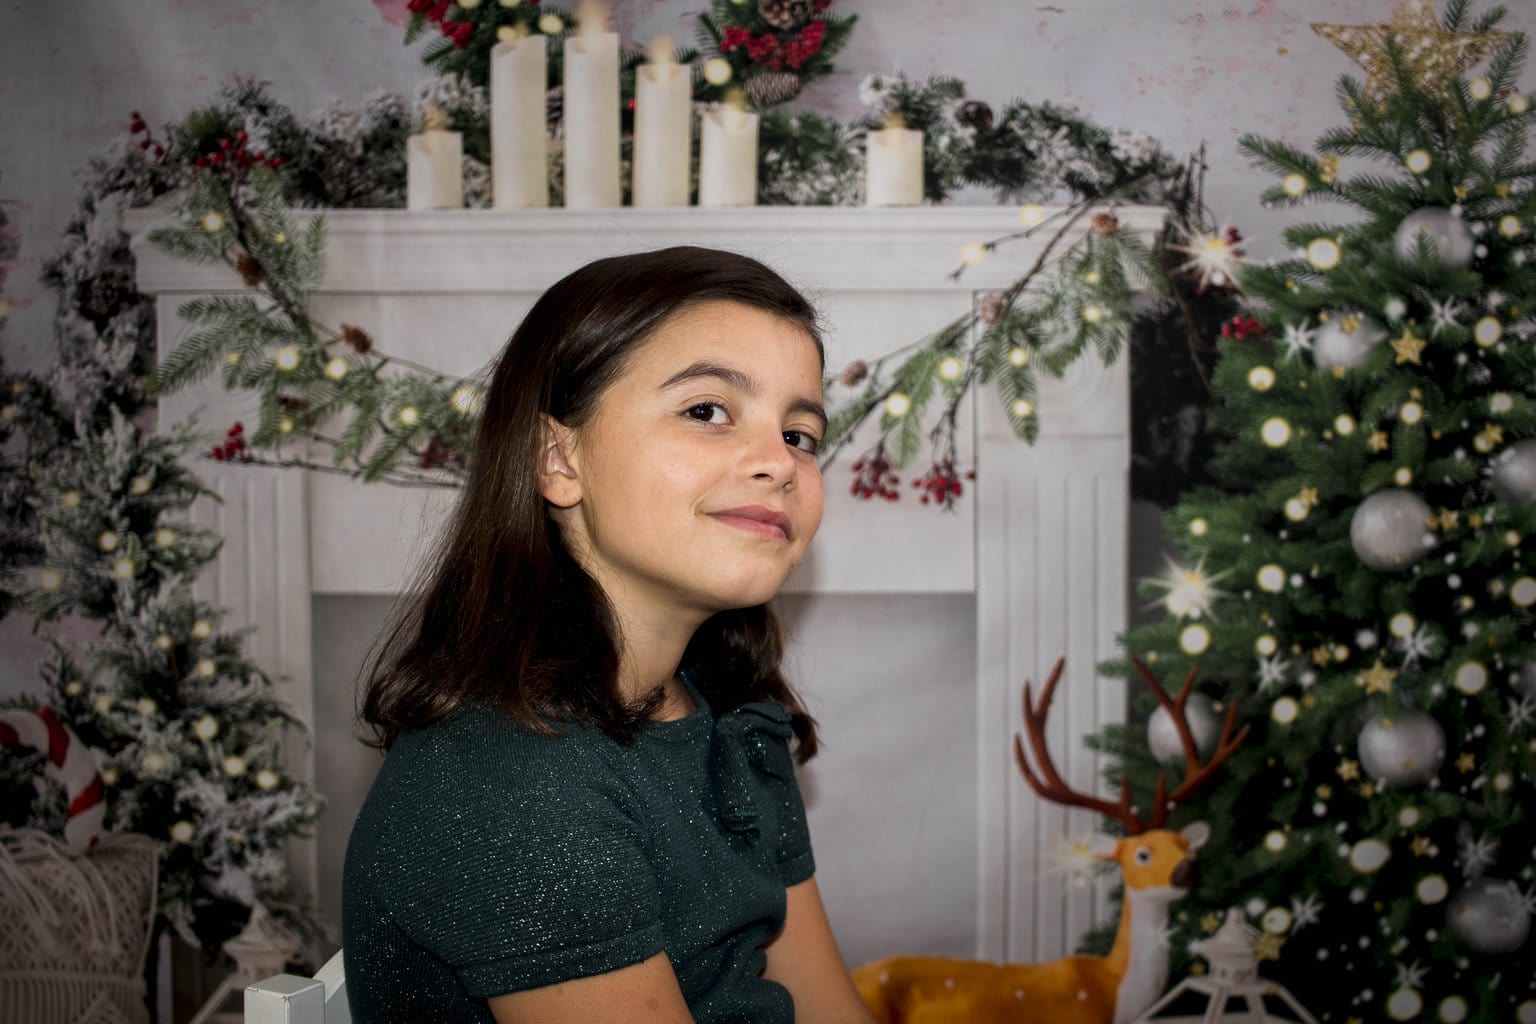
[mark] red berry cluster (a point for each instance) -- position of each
(941, 484)
(233, 156)
(234, 448)
(1240, 328)
(774, 53)
(874, 475)
(1235, 241)
(438, 454)
(137, 126)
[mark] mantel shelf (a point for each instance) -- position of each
(476, 250)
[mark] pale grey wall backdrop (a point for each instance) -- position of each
(1183, 70)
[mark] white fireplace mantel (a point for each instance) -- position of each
(1039, 542)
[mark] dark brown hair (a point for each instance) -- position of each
(503, 611)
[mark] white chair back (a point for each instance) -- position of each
(290, 999)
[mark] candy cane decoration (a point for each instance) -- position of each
(70, 762)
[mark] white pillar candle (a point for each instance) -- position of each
(591, 117)
(519, 82)
(434, 166)
(893, 166)
(728, 157)
(663, 121)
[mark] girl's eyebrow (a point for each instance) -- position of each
(741, 382)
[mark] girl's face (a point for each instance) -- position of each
(695, 488)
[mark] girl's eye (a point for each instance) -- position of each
(705, 412)
(807, 443)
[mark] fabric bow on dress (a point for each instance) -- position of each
(750, 738)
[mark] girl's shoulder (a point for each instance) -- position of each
(482, 740)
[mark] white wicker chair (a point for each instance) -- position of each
(290, 999)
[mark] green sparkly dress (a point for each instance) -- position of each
(488, 858)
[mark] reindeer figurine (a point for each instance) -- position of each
(1155, 864)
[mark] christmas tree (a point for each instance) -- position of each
(187, 730)
(1360, 583)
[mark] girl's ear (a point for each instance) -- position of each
(557, 475)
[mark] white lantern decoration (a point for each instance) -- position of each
(1390, 529)
(1452, 238)
(1233, 981)
(261, 950)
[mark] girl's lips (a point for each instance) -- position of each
(756, 526)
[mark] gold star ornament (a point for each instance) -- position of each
(1408, 347)
(1433, 54)
(1376, 679)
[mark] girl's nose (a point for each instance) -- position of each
(769, 456)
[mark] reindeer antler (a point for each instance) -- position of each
(1195, 773)
(1049, 784)
(1054, 788)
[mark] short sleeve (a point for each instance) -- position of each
(794, 859)
(516, 859)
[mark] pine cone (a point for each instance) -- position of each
(250, 270)
(357, 338)
(784, 14)
(854, 373)
(771, 88)
(1106, 224)
(974, 114)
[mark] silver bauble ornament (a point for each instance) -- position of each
(1337, 345)
(1402, 749)
(1525, 682)
(1489, 916)
(1513, 475)
(1390, 529)
(1452, 238)
(1204, 727)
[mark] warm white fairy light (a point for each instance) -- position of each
(897, 405)
(1021, 408)
(972, 253)
(337, 368)
(1285, 710)
(1294, 184)
(466, 399)
(717, 70)
(165, 537)
(1032, 214)
(1276, 432)
(1323, 253)
(1271, 578)
(1261, 378)
(1418, 161)
(1509, 225)
(1471, 677)
(1017, 357)
(1188, 592)
(202, 629)
(950, 368)
(1487, 331)
(1194, 639)
(1211, 256)
(287, 358)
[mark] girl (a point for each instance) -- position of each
(588, 811)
